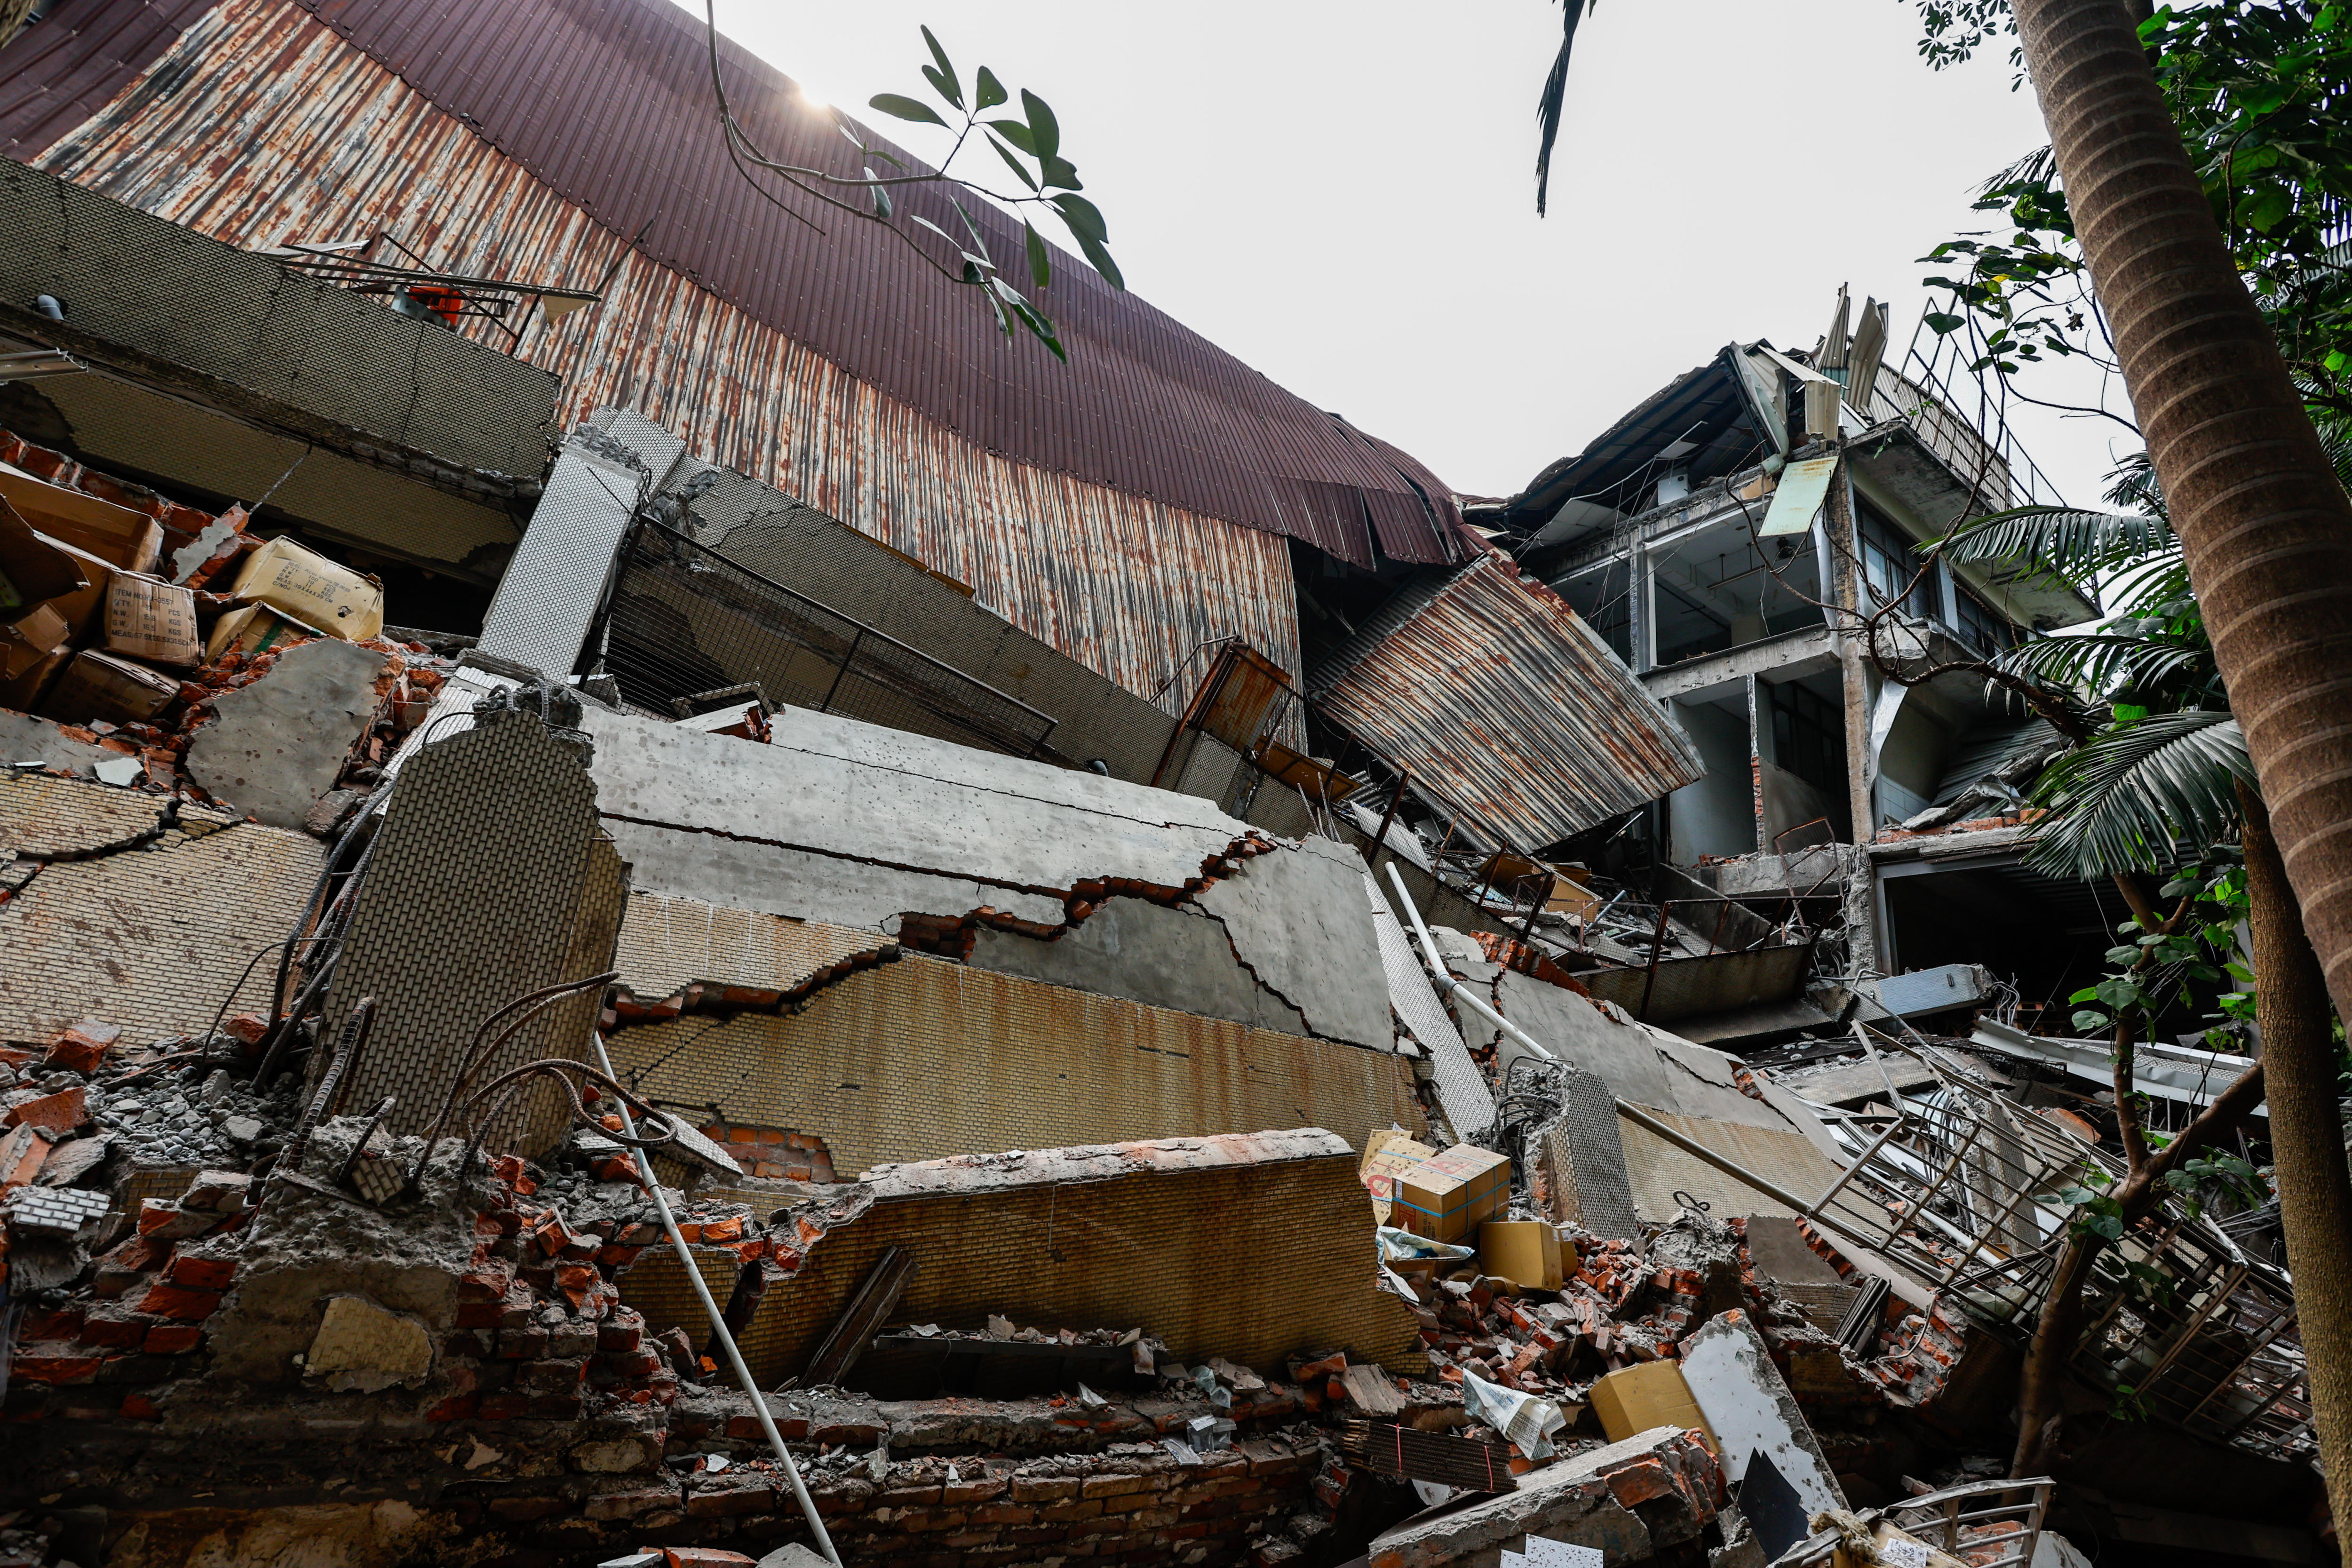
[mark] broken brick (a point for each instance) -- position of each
(59, 1112)
(82, 1046)
(200, 1273)
(179, 1302)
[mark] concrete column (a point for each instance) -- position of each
(1861, 900)
(1756, 701)
(548, 597)
(1846, 585)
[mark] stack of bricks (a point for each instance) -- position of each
(1931, 1346)
(149, 1305)
(773, 1152)
(1108, 1508)
(537, 1364)
(539, 1332)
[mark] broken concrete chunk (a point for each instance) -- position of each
(70, 1161)
(333, 812)
(279, 745)
(615, 1455)
(1748, 1406)
(242, 1129)
(792, 1554)
(361, 1348)
(221, 1193)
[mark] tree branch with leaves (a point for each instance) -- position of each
(1029, 146)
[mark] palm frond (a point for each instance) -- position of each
(2066, 544)
(2133, 485)
(2136, 795)
(1555, 97)
(2035, 167)
(2098, 664)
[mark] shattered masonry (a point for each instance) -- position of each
(973, 836)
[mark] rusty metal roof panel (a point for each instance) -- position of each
(73, 63)
(608, 101)
(1502, 705)
(1126, 583)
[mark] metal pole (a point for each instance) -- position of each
(1657, 951)
(1813, 1210)
(719, 1321)
(1381, 840)
(1450, 988)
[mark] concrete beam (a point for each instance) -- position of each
(1787, 656)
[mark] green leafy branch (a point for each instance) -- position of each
(1029, 145)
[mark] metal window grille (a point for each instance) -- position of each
(1969, 1190)
(684, 621)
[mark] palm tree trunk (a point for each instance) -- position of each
(2265, 525)
(2315, 1184)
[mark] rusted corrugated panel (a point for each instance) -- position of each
(1500, 703)
(74, 63)
(1124, 583)
(608, 102)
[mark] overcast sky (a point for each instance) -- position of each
(1341, 194)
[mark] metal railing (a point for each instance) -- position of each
(1963, 429)
(682, 621)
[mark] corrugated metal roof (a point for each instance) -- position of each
(1500, 703)
(1125, 584)
(608, 102)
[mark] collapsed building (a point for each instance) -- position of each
(656, 913)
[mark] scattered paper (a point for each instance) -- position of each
(1527, 1421)
(1903, 1553)
(1543, 1553)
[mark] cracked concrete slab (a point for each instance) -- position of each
(1299, 920)
(854, 825)
(1147, 952)
(277, 745)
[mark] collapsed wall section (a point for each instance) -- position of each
(923, 1058)
(151, 937)
(852, 825)
(1171, 1234)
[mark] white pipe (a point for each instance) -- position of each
(718, 1324)
(1450, 988)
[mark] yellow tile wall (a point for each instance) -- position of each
(152, 939)
(924, 1058)
(1250, 1262)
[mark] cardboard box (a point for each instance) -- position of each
(32, 569)
(1635, 1398)
(115, 535)
(1524, 1251)
(307, 586)
(97, 686)
(1388, 1154)
(148, 618)
(1448, 1195)
(24, 693)
(251, 628)
(30, 640)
